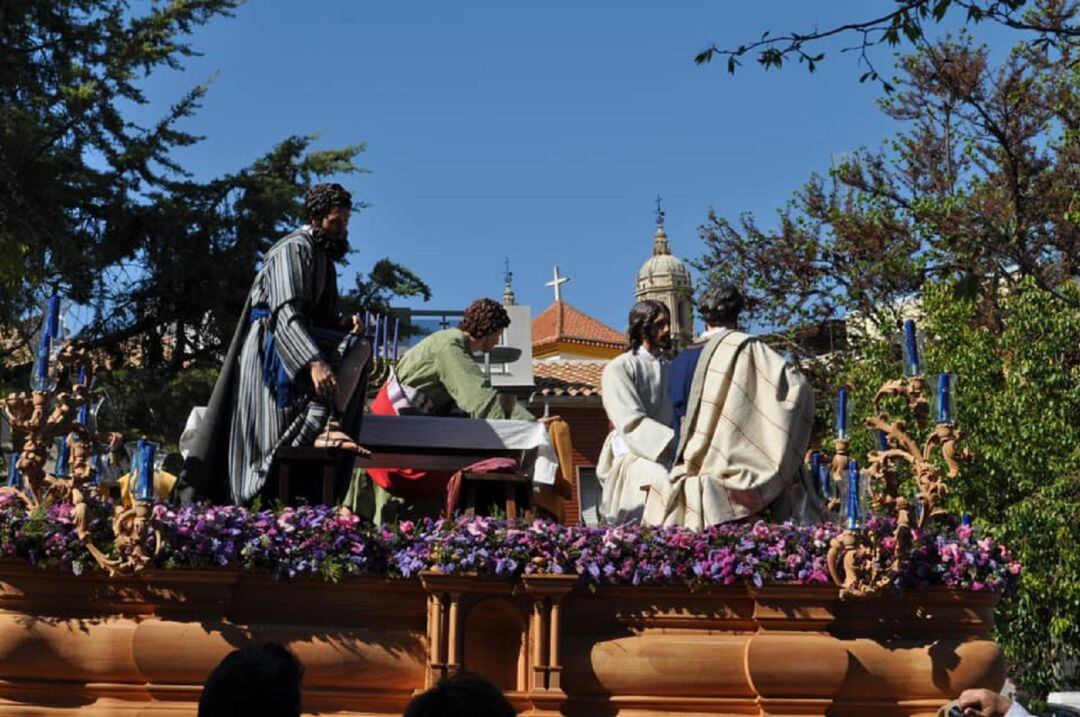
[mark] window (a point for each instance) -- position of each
(589, 493)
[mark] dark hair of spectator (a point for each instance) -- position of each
(461, 695)
(484, 317)
(260, 679)
(642, 317)
(720, 305)
(321, 198)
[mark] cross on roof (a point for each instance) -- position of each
(557, 282)
(659, 212)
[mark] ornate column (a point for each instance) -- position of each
(545, 634)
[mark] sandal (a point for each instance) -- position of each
(339, 441)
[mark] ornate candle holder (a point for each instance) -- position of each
(138, 538)
(929, 480)
(859, 564)
(381, 366)
(41, 418)
(838, 472)
(857, 561)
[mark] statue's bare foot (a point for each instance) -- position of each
(340, 441)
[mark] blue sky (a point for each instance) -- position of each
(540, 132)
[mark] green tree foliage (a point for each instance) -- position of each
(70, 162)
(96, 207)
(968, 216)
(385, 281)
(1018, 396)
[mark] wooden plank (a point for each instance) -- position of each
(304, 453)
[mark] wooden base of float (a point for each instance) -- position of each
(144, 645)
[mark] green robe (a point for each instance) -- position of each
(443, 371)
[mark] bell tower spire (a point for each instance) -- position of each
(665, 278)
(660, 240)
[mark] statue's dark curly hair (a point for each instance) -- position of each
(484, 317)
(720, 304)
(321, 198)
(642, 316)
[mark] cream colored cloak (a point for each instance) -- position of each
(743, 438)
(637, 403)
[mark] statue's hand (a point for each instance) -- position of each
(323, 379)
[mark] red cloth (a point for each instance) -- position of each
(498, 464)
(405, 482)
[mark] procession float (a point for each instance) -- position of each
(114, 601)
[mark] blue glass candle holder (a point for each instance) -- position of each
(63, 457)
(819, 474)
(853, 498)
(843, 413)
(45, 375)
(147, 459)
(825, 483)
(144, 471)
(945, 399)
(912, 349)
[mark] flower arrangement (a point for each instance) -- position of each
(333, 544)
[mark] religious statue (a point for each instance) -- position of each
(279, 385)
(635, 395)
(439, 376)
(748, 419)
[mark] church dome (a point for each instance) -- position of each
(666, 278)
(662, 267)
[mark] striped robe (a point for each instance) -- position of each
(243, 427)
(297, 286)
(741, 449)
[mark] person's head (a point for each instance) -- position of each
(461, 695)
(327, 208)
(260, 679)
(650, 326)
(719, 305)
(484, 322)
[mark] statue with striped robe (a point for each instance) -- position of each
(279, 384)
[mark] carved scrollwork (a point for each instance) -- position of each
(138, 537)
(861, 565)
(882, 464)
(41, 417)
(858, 562)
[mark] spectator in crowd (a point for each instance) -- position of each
(983, 703)
(261, 679)
(461, 695)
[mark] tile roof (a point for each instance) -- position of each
(562, 322)
(568, 378)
